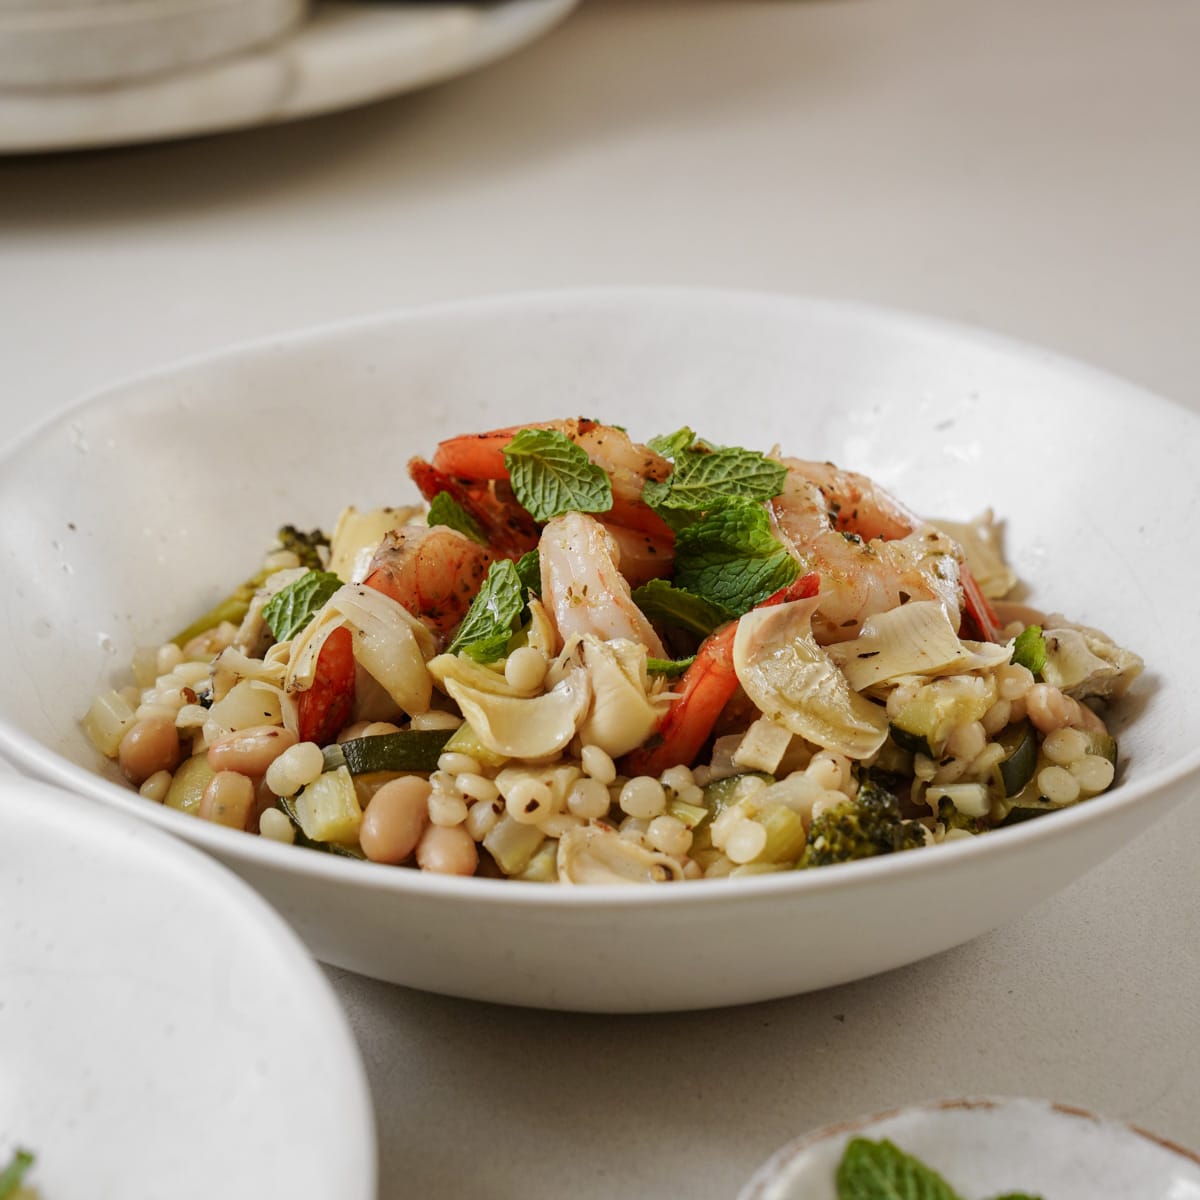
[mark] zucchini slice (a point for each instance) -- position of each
(408, 750)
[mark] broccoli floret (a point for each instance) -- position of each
(953, 819)
(868, 825)
(304, 545)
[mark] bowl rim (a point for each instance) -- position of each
(264, 854)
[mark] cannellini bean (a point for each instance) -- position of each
(447, 850)
(250, 751)
(394, 819)
(228, 799)
(150, 746)
(155, 788)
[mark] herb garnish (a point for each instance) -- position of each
(445, 510)
(292, 607)
(882, 1171)
(551, 475)
(486, 629)
(1029, 650)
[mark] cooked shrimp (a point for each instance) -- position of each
(706, 688)
(433, 573)
(582, 588)
(872, 553)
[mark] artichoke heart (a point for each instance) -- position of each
(1085, 662)
(598, 854)
(794, 681)
(529, 727)
(622, 715)
(914, 639)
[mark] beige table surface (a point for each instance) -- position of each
(1031, 165)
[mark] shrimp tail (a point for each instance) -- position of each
(705, 689)
(509, 529)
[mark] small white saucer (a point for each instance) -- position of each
(347, 54)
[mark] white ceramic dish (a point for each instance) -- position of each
(162, 1031)
(145, 503)
(45, 45)
(989, 1146)
(346, 54)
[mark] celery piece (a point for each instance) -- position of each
(785, 834)
(187, 786)
(464, 740)
(327, 810)
(543, 866)
(691, 815)
(512, 844)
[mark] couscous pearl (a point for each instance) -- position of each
(169, 656)
(447, 810)
(434, 719)
(989, 757)
(747, 841)
(525, 668)
(997, 717)
(155, 788)
(643, 797)
(458, 764)
(1013, 681)
(692, 869)
(529, 801)
(1093, 772)
(380, 728)
(598, 764)
(274, 825)
(477, 787)
(924, 768)
(678, 779)
(295, 768)
(824, 771)
(1058, 785)
(967, 741)
(482, 817)
(1064, 746)
(588, 798)
(557, 824)
(669, 836)
(351, 732)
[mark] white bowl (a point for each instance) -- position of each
(74, 43)
(144, 504)
(163, 1032)
(992, 1145)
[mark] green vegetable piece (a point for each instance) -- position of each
(703, 479)
(408, 750)
(882, 1171)
(864, 827)
(1029, 650)
(671, 444)
(551, 475)
(529, 572)
(305, 546)
(913, 743)
(486, 629)
(1019, 763)
(291, 608)
(666, 604)
(672, 668)
(445, 510)
(1018, 1196)
(731, 558)
(11, 1176)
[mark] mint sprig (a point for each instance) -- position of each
(486, 629)
(668, 445)
(704, 478)
(291, 608)
(11, 1176)
(671, 668)
(668, 605)
(882, 1171)
(730, 557)
(445, 510)
(529, 572)
(551, 475)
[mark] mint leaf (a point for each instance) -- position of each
(291, 608)
(445, 510)
(882, 1171)
(666, 604)
(703, 479)
(551, 475)
(11, 1176)
(1029, 650)
(1018, 1196)
(671, 444)
(488, 625)
(670, 667)
(731, 558)
(529, 572)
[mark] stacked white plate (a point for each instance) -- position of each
(83, 43)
